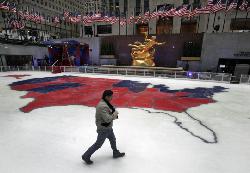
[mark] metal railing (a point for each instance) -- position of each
(203, 76)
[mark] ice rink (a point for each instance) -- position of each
(164, 125)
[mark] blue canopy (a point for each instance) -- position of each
(48, 42)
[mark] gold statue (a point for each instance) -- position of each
(143, 53)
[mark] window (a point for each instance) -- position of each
(88, 30)
(111, 6)
(116, 3)
(197, 2)
(240, 24)
(104, 29)
(137, 7)
(141, 28)
(146, 6)
(164, 25)
(188, 26)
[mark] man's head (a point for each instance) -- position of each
(107, 95)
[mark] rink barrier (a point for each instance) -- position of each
(202, 76)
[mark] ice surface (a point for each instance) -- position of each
(52, 139)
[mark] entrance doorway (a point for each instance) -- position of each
(226, 65)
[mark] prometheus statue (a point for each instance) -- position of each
(143, 53)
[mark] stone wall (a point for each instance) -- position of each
(223, 45)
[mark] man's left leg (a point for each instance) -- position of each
(112, 140)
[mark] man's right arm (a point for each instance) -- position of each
(107, 117)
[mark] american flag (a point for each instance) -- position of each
(97, 18)
(15, 24)
(66, 14)
(170, 12)
(123, 21)
(12, 7)
(147, 16)
(218, 6)
(36, 17)
(184, 10)
(4, 5)
(113, 19)
(248, 6)
(56, 20)
(161, 10)
(86, 20)
(202, 10)
(72, 18)
(243, 5)
(131, 19)
(27, 15)
(154, 14)
(189, 12)
(79, 17)
(106, 18)
(139, 18)
(21, 14)
(192, 12)
(232, 4)
(180, 11)
(42, 19)
(211, 3)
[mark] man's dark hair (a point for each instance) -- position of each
(107, 93)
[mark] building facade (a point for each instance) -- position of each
(48, 9)
(233, 21)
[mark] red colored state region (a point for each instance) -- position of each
(17, 76)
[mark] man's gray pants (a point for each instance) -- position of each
(102, 135)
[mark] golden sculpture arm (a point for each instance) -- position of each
(161, 43)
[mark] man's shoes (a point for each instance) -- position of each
(117, 154)
(87, 160)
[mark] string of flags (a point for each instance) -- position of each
(185, 10)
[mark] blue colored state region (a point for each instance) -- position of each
(55, 87)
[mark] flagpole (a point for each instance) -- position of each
(17, 17)
(134, 23)
(148, 19)
(246, 19)
(237, 8)
(60, 26)
(126, 23)
(71, 31)
(198, 27)
(214, 19)
(119, 13)
(66, 27)
(208, 20)
(225, 15)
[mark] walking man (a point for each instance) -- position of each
(105, 114)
